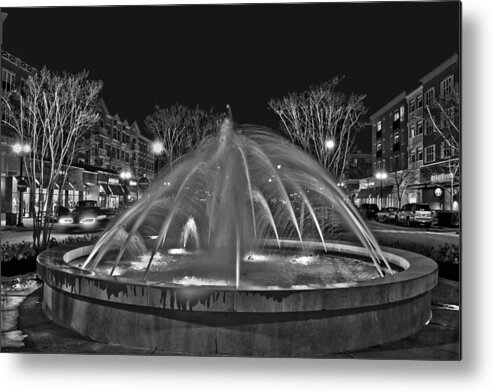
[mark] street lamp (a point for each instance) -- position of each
(381, 176)
(329, 144)
(157, 149)
(21, 149)
(125, 175)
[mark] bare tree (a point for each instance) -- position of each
(51, 112)
(401, 180)
(180, 128)
(444, 115)
(320, 116)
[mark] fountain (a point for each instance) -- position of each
(245, 247)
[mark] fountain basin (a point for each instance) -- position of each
(218, 320)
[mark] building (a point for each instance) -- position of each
(110, 149)
(14, 73)
(439, 170)
(418, 163)
(389, 152)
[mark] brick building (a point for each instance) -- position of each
(14, 73)
(109, 149)
(412, 148)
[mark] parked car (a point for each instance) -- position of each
(369, 211)
(88, 215)
(388, 214)
(415, 214)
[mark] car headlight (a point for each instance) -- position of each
(88, 221)
(66, 220)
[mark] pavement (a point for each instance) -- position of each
(25, 329)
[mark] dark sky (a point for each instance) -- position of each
(236, 54)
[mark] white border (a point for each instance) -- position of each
(85, 373)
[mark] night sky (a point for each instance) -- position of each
(236, 54)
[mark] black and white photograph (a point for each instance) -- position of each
(262, 180)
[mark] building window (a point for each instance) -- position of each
(446, 150)
(428, 127)
(8, 80)
(419, 153)
(411, 106)
(396, 115)
(402, 112)
(447, 86)
(430, 154)
(379, 126)
(413, 156)
(430, 97)
(419, 101)
(396, 138)
(420, 128)
(412, 130)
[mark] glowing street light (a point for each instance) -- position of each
(157, 149)
(329, 144)
(381, 175)
(21, 149)
(125, 175)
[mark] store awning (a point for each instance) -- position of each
(103, 188)
(387, 190)
(117, 190)
(374, 192)
(363, 193)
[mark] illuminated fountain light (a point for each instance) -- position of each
(196, 281)
(178, 251)
(304, 260)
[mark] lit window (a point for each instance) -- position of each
(412, 130)
(430, 154)
(402, 112)
(379, 146)
(396, 115)
(396, 138)
(379, 126)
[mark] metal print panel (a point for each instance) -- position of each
(262, 180)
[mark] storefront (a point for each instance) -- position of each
(436, 189)
(111, 193)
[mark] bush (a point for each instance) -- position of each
(20, 258)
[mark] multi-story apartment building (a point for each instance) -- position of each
(14, 73)
(113, 147)
(389, 150)
(412, 148)
(440, 168)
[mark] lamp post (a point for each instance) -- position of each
(157, 149)
(381, 176)
(125, 175)
(21, 149)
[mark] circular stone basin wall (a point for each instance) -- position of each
(307, 322)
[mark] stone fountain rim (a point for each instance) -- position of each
(414, 265)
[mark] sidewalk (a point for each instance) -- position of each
(26, 329)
